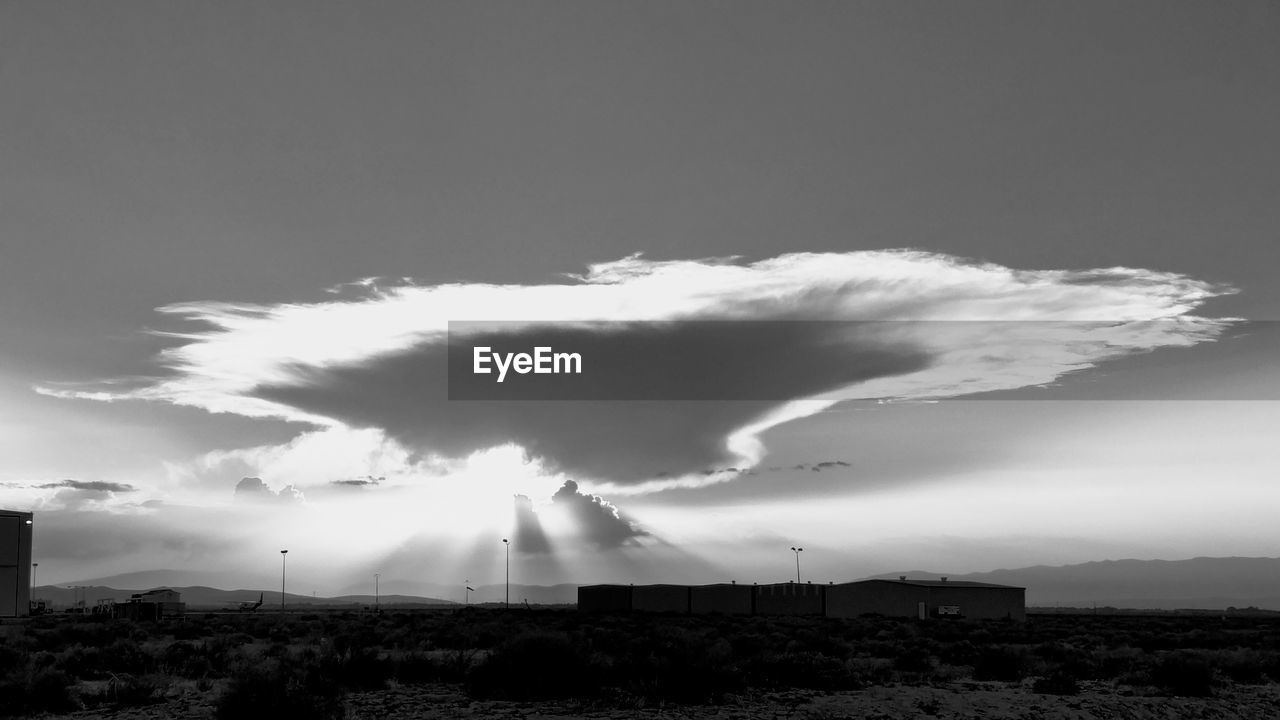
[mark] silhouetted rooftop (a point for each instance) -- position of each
(940, 583)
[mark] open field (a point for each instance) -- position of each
(557, 663)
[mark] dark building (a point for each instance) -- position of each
(151, 605)
(723, 598)
(660, 598)
(790, 599)
(15, 563)
(903, 597)
(604, 598)
(927, 599)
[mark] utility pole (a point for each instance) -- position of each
(283, 553)
(507, 545)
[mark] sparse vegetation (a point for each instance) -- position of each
(302, 665)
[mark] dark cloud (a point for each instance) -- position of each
(529, 537)
(365, 481)
(252, 489)
(813, 467)
(90, 485)
(407, 395)
(598, 521)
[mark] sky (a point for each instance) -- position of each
(996, 279)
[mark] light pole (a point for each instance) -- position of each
(375, 592)
(283, 553)
(797, 551)
(506, 544)
(466, 594)
(34, 565)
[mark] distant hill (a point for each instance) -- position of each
(199, 597)
(422, 591)
(1201, 582)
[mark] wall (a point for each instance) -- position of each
(604, 598)
(982, 603)
(660, 598)
(727, 599)
(15, 563)
(899, 599)
(891, 599)
(790, 599)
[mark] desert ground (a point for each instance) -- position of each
(568, 664)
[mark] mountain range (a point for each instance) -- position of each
(1203, 582)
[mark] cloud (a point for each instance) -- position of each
(529, 535)
(252, 489)
(92, 485)
(915, 326)
(597, 521)
(359, 482)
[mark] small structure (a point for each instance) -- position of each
(724, 598)
(927, 599)
(15, 563)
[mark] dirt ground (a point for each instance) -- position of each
(964, 699)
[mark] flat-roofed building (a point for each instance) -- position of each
(660, 598)
(15, 563)
(942, 598)
(790, 599)
(726, 598)
(604, 598)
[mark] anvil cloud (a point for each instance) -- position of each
(928, 326)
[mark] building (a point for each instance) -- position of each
(604, 598)
(660, 598)
(151, 605)
(726, 598)
(914, 598)
(15, 563)
(925, 599)
(790, 599)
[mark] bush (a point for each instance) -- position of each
(1183, 673)
(40, 689)
(1002, 662)
(535, 666)
(809, 670)
(1056, 683)
(282, 692)
(125, 690)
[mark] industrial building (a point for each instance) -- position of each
(660, 598)
(149, 605)
(924, 599)
(790, 599)
(15, 563)
(604, 598)
(903, 597)
(726, 598)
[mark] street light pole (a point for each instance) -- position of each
(375, 593)
(797, 551)
(506, 544)
(283, 553)
(34, 565)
